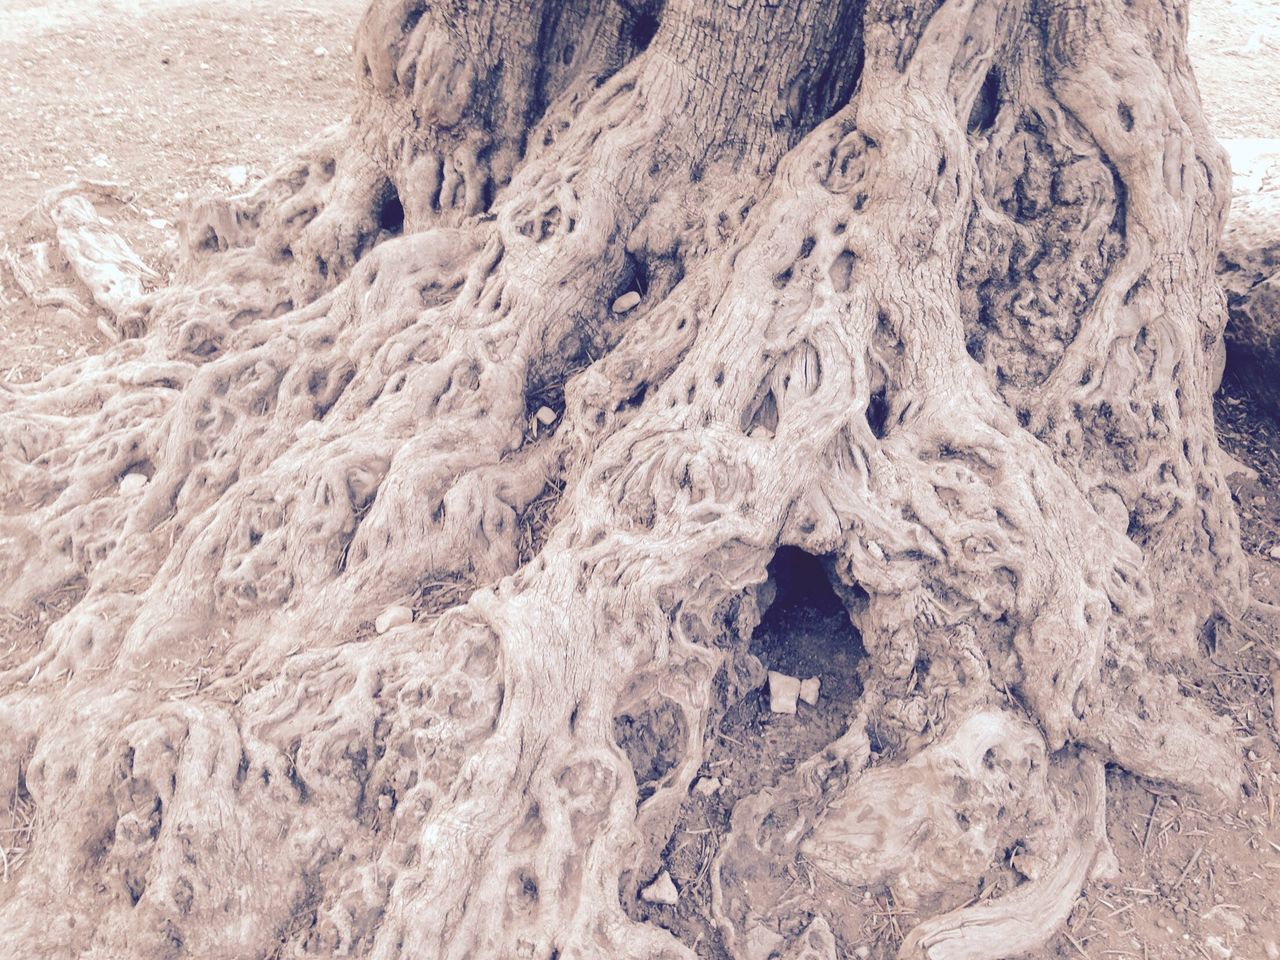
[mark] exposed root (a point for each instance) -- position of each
(339, 415)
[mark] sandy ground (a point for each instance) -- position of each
(170, 97)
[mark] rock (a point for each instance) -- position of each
(545, 416)
(237, 175)
(817, 942)
(662, 890)
(707, 786)
(1274, 553)
(132, 483)
(393, 617)
(809, 690)
(1234, 469)
(761, 943)
(783, 691)
(626, 302)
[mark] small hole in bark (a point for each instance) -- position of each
(1125, 114)
(643, 30)
(877, 413)
(782, 278)
(841, 272)
(806, 247)
(983, 115)
(390, 211)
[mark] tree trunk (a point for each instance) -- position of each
(925, 290)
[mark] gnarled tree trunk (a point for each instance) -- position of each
(925, 290)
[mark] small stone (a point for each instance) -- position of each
(1253, 754)
(545, 416)
(1233, 469)
(132, 483)
(1274, 552)
(662, 890)
(862, 951)
(783, 691)
(707, 786)
(626, 302)
(761, 942)
(237, 176)
(809, 690)
(393, 617)
(1217, 947)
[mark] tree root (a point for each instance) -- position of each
(802, 370)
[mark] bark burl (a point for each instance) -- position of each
(926, 291)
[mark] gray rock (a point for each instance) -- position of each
(662, 890)
(393, 617)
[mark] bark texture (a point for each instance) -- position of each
(925, 290)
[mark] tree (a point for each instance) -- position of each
(925, 290)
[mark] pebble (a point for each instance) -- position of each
(662, 890)
(707, 786)
(237, 175)
(809, 690)
(1274, 552)
(132, 483)
(546, 416)
(626, 302)
(863, 951)
(393, 617)
(783, 691)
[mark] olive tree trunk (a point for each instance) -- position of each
(925, 290)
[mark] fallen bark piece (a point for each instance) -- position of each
(662, 891)
(103, 261)
(626, 302)
(783, 691)
(393, 617)
(809, 690)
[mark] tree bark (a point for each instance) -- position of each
(926, 290)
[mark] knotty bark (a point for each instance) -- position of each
(926, 290)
